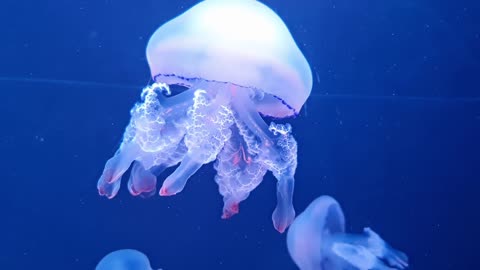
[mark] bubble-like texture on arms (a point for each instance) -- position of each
(206, 133)
(154, 137)
(237, 173)
(282, 160)
(209, 127)
(246, 158)
(153, 129)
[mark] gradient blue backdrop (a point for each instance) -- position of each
(391, 131)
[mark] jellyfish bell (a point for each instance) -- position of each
(124, 259)
(240, 42)
(316, 240)
(322, 218)
(238, 62)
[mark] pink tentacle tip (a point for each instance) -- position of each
(108, 176)
(164, 192)
(134, 192)
(281, 228)
(231, 211)
(102, 192)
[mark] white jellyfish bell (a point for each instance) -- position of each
(316, 240)
(238, 62)
(239, 42)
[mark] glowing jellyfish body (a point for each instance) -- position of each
(124, 259)
(238, 62)
(316, 240)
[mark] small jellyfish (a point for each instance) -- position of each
(316, 240)
(125, 259)
(239, 65)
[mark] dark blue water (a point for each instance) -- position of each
(391, 131)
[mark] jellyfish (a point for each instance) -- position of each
(238, 67)
(124, 259)
(316, 240)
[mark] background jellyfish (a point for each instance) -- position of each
(239, 62)
(125, 259)
(316, 240)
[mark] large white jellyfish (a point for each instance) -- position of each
(124, 259)
(238, 62)
(316, 240)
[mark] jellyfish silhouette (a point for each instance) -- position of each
(239, 65)
(316, 240)
(124, 259)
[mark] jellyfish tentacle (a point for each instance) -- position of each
(206, 133)
(284, 213)
(109, 182)
(141, 182)
(236, 187)
(275, 149)
(151, 138)
(175, 108)
(383, 250)
(237, 173)
(167, 159)
(243, 105)
(282, 161)
(155, 127)
(176, 182)
(367, 251)
(107, 189)
(177, 104)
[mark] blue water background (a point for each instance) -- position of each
(391, 131)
